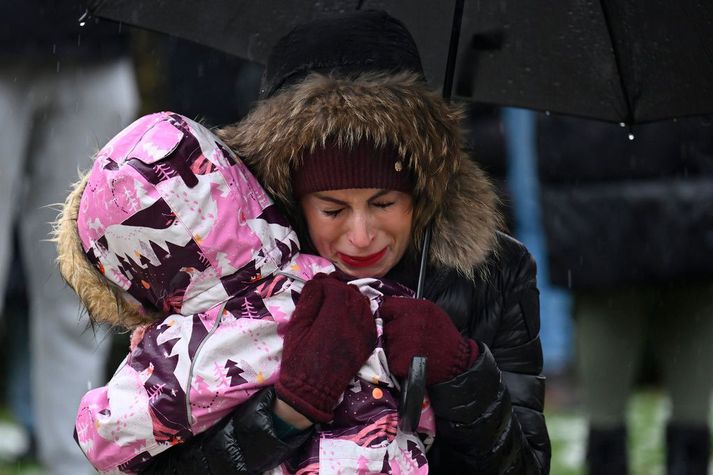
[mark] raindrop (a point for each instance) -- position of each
(83, 18)
(547, 113)
(631, 136)
(622, 124)
(54, 48)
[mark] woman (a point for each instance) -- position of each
(364, 157)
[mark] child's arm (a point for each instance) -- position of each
(141, 410)
(182, 377)
(114, 423)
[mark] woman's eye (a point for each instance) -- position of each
(332, 213)
(384, 204)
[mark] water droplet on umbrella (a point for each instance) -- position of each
(83, 18)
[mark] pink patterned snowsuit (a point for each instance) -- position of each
(174, 218)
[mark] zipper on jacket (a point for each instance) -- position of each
(218, 320)
(291, 276)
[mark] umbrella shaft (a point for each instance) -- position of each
(453, 49)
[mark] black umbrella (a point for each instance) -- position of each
(628, 61)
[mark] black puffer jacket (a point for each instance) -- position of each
(490, 418)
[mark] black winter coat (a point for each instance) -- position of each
(627, 212)
(489, 419)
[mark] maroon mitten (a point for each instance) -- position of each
(420, 328)
(331, 334)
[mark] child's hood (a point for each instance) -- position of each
(170, 215)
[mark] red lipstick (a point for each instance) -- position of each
(362, 261)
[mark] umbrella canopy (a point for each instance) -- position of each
(249, 28)
(629, 61)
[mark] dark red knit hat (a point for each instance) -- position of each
(363, 166)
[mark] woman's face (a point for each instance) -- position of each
(363, 231)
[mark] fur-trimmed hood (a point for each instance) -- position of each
(451, 192)
(169, 220)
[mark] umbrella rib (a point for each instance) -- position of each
(629, 117)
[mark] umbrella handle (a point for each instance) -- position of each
(413, 391)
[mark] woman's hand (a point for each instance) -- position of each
(420, 328)
(331, 334)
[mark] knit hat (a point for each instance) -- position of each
(363, 166)
(347, 45)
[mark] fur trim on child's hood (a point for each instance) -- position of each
(168, 219)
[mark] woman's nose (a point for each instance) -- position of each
(360, 232)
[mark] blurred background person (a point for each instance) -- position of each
(630, 230)
(17, 439)
(194, 80)
(64, 90)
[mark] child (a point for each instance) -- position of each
(171, 235)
